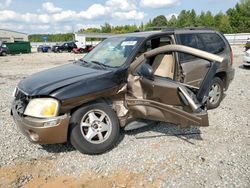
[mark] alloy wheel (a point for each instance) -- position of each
(96, 126)
(215, 93)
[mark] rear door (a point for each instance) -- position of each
(194, 68)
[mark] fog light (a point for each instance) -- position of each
(33, 136)
(50, 123)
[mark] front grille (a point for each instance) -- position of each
(21, 101)
(20, 107)
(19, 95)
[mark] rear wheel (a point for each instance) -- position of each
(94, 129)
(4, 54)
(215, 93)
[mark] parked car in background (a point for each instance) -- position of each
(87, 49)
(246, 59)
(64, 47)
(3, 50)
(44, 48)
(247, 45)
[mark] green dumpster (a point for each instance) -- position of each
(18, 47)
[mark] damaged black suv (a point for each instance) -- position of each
(126, 80)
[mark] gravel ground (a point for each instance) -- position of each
(155, 156)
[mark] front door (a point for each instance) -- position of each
(160, 98)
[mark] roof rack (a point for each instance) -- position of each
(158, 28)
(197, 28)
(164, 28)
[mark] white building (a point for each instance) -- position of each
(81, 42)
(12, 36)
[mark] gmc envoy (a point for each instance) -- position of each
(169, 76)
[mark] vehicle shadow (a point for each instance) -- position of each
(168, 129)
(244, 67)
(67, 147)
(58, 148)
(164, 129)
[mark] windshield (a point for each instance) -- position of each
(113, 52)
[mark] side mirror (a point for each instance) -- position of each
(146, 71)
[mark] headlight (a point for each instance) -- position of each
(42, 108)
(247, 54)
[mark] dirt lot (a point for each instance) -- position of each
(160, 155)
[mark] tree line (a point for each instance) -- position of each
(234, 20)
(51, 37)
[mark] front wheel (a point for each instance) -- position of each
(94, 129)
(215, 93)
(4, 54)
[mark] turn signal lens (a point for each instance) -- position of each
(49, 110)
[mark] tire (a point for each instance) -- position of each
(83, 132)
(246, 66)
(4, 54)
(215, 93)
(60, 51)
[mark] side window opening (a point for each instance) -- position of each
(154, 43)
(163, 65)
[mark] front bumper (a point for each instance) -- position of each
(43, 131)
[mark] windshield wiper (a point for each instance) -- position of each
(101, 64)
(82, 61)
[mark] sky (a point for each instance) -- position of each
(61, 16)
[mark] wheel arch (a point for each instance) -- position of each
(223, 76)
(105, 100)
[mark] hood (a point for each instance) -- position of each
(45, 82)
